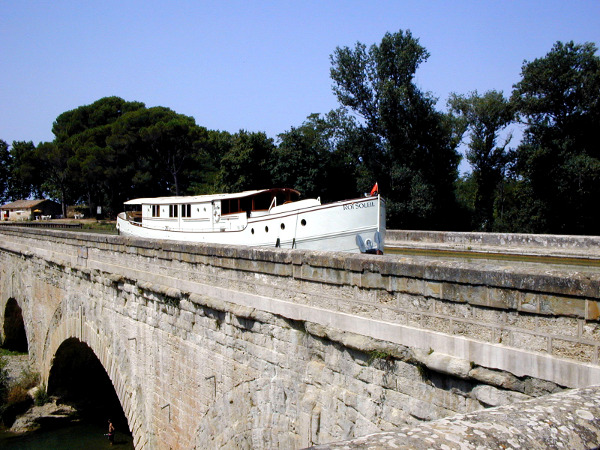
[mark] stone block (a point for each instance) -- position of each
(415, 303)
(323, 275)
(441, 324)
(529, 341)
(590, 331)
(574, 350)
(504, 380)
(488, 316)
(529, 303)
(452, 309)
(503, 298)
(373, 280)
(562, 306)
(492, 396)
(451, 292)
(558, 326)
(474, 330)
(592, 311)
(432, 289)
(447, 364)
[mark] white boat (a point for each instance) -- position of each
(269, 217)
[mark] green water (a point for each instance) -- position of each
(79, 436)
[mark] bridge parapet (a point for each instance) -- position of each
(533, 322)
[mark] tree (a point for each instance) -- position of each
(102, 112)
(485, 116)
(247, 165)
(59, 181)
(80, 152)
(411, 148)
(4, 171)
(203, 173)
(24, 171)
(171, 137)
(559, 159)
(319, 157)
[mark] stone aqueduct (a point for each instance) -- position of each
(211, 346)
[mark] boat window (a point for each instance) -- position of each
(186, 210)
(303, 222)
(283, 226)
(173, 209)
(155, 211)
(230, 206)
(261, 201)
(267, 229)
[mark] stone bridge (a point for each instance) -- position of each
(212, 346)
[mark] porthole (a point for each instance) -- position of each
(283, 226)
(252, 231)
(266, 229)
(303, 222)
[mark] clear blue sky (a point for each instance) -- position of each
(254, 65)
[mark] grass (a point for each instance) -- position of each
(377, 355)
(102, 226)
(41, 396)
(5, 352)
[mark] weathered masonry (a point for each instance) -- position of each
(211, 346)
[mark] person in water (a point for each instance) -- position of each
(111, 432)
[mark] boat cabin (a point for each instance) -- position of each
(222, 212)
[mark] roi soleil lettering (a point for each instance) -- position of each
(359, 205)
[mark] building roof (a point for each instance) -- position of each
(23, 204)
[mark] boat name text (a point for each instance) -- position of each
(359, 205)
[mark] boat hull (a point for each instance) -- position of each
(332, 227)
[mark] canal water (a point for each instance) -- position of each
(85, 436)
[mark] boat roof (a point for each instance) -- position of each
(203, 198)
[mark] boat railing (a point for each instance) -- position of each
(273, 203)
(133, 216)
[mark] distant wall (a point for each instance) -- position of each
(542, 244)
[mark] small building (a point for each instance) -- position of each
(30, 210)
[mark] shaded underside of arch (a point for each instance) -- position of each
(15, 336)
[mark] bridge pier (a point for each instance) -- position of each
(208, 346)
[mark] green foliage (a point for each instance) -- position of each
(485, 116)
(408, 147)
(247, 164)
(29, 378)
(4, 171)
(24, 169)
(378, 355)
(41, 396)
(307, 160)
(4, 381)
(113, 150)
(558, 161)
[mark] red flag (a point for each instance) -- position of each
(375, 189)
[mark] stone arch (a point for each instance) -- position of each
(69, 327)
(13, 330)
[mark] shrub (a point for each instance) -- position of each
(41, 396)
(16, 394)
